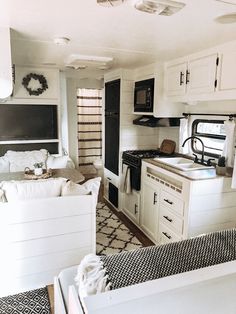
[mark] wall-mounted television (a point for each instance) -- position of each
(28, 122)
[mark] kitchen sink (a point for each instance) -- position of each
(182, 163)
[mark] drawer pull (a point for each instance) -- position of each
(167, 201)
(166, 235)
(167, 218)
(135, 209)
(154, 198)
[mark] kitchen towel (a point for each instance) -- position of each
(228, 150)
(233, 185)
(125, 186)
(183, 134)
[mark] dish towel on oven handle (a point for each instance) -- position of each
(125, 186)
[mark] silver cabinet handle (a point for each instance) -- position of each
(187, 77)
(135, 209)
(167, 218)
(167, 201)
(166, 235)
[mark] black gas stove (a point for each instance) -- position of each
(133, 159)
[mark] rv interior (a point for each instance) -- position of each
(117, 156)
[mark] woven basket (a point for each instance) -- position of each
(29, 174)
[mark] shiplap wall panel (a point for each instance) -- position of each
(30, 248)
(41, 237)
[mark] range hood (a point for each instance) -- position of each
(6, 83)
(153, 122)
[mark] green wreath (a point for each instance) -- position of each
(38, 77)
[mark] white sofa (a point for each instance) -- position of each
(14, 161)
(42, 235)
(197, 291)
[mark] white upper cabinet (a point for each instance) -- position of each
(208, 75)
(175, 79)
(6, 82)
(227, 80)
(193, 77)
(201, 75)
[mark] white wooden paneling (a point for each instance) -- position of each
(228, 71)
(42, 263)
(202, 75)
(52, 77)
(175, 79)
(213, 201)
(6, 82)
(47, 228)
(41, 246)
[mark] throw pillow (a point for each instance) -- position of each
(20, 160)
(71, 188)
(4, 165)
(24, 190)
(59, 162)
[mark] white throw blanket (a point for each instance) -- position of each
(91, 277)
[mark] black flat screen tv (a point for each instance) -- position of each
(28, 122)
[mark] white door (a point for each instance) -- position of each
(201, 75)
(175, 78)
(149, 210)
(131, 206)
(228, 71)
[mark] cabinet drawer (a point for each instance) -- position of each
(169, 218)
(172, 202)
(166, 235)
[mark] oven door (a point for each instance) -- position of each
(135, 175)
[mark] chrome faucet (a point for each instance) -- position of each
(203, 147)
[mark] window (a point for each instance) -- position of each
(212, 133)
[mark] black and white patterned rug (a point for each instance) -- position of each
(30, 302)
(112, 235)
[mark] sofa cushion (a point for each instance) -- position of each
(71, 188)
(4, 164)
(24, 190)
(89, 187)
(57, 162)
(20, 160)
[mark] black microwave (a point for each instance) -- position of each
(143, 96)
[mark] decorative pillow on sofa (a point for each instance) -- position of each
(24, 190)
(54, 162)
(20, 160)
(90, 186)
(4, 164)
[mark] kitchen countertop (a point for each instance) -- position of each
(191, 175)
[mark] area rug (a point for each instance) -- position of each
(30, 302)
(112, 235)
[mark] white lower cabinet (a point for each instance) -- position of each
(149, 216)
(174, 208)
(131, 206)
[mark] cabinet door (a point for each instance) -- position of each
(201, 75)
(175, 79)
(131, 206)
(228, 71)
(149, 211)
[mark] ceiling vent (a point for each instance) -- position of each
(110, 3)
(161, 7)
(78, 61)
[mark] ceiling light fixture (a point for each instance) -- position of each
(61, 41)
(162, 7)
(110, 3)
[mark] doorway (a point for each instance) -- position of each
(89, 121)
